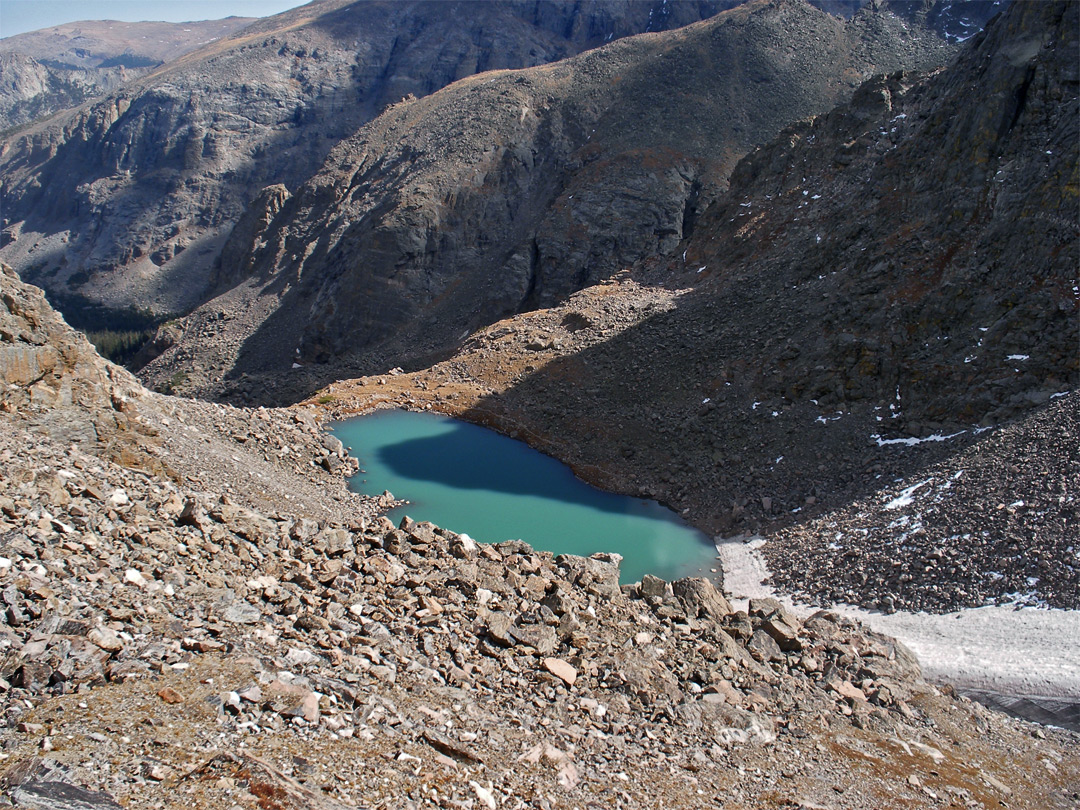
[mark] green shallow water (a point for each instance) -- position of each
(478, 482)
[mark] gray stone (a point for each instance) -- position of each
(764, 648)
(241, 612)
(61, 796)
(597, 575)
(652, 586)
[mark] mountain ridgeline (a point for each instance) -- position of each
(126, 201)
(509, 190)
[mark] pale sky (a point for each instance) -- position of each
(18, 16)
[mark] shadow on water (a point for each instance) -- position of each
(475, 458)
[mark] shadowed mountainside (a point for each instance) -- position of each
(127, 201)
(948, 302)
(508, 191)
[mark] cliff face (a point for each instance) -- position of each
(127, 201)
(54, 69)
(508, 191)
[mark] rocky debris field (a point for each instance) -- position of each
(173, 629)
(160, 645)
(55, 383)
(998, 521)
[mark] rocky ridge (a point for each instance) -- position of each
(127, 201)
(56, 385)
(507, 192)
(161, 643)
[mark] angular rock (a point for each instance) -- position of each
(651, 586)
(170, 695)
(241, 612)
(597, 575)
(701, 598)
(561, 669)
(106, 638)
(764, 648)
(56, 795)
(646, 678)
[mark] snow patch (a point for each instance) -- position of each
(911, 441)
(905, 497)
(1011, 649)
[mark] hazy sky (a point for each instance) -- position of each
(17, 16)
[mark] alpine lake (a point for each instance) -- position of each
(474, 481)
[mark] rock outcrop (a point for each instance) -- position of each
(54, 384)
(53, 377)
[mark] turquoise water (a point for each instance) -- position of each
(478, 482)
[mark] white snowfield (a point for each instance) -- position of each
(1029, 652)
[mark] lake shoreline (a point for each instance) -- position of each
(471, 480)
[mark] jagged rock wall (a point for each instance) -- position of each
(954, 288)
(127, 201)
(509, 191)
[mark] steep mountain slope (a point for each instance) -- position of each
(126, 202)
(903, 268)
(509, 191)
(171, 640)
(43, 72)
(57, 388)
